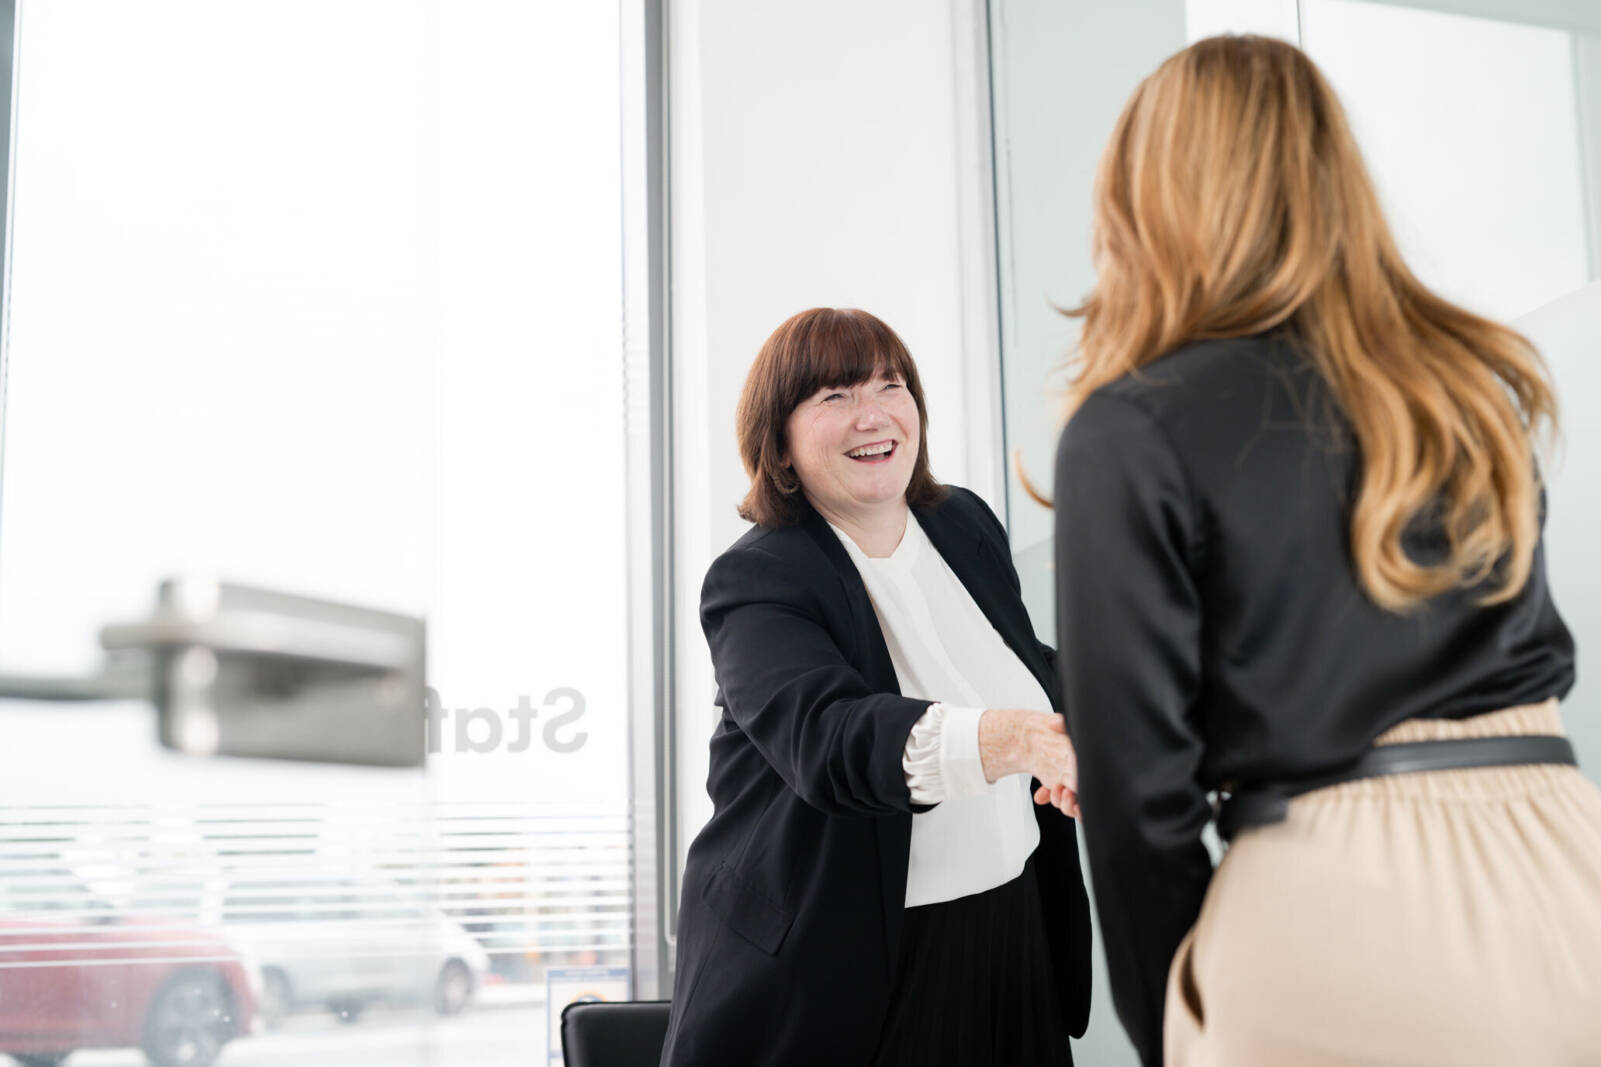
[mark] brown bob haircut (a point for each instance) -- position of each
(823, 348)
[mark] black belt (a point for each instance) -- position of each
(1265, 804)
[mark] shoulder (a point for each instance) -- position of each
(1217, 374)
(967, 509)
(762, 548)
(765, 563)
(963, 502)
(1203, 398)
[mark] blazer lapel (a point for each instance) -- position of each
(974, 558)
(877, 668)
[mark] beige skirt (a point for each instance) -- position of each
(1448, 917)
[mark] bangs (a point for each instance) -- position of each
(840, 347)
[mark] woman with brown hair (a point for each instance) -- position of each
(1299, 564)
(874, 886)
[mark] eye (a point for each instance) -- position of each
(891, 385)
(833, 396)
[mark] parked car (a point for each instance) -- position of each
(77, 973)
(345, 942)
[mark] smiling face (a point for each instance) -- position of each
(854, 447)
(827, 382)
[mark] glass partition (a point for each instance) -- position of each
(1060, 74)
(1481, 123)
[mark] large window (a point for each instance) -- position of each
(327, 299)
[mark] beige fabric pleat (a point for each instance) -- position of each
(1448, 917)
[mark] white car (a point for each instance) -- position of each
(343, 942)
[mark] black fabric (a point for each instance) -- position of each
(1212, 628)
(794, 891)
(973, 985)
(613, 1034)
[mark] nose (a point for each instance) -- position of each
(870, 415)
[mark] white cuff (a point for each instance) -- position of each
(942, 760)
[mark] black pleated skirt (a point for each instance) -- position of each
(974, 986)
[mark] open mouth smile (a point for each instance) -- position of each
(877, 452)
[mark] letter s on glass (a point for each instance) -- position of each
(574, 712)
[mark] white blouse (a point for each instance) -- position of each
(944, 649)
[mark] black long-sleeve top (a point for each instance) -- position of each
(1212, 630)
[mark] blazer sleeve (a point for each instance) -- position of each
(1129, 634)
(791, 690)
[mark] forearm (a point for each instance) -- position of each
(790, 689)
(1020, 741)
(1002, 742)
(844, 759)
(1147, 901)
(954, 751)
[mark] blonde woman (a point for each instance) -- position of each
(1299, 564)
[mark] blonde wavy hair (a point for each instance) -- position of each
(1232, 200)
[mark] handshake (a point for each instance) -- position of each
(1018, 741)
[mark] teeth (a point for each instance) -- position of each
(871, 450)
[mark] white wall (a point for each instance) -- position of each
(1480, 177)
(832, 153)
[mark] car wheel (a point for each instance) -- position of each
(347, 1010)
(276, 996)
(40, 1059)
(189, 1021)
(453, 989)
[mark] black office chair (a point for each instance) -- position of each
(621, 1033)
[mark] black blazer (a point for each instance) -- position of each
(795, 889)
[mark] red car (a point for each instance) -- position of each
(75, 974)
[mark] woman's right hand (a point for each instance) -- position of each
(1019, 741)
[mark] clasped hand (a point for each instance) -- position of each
(1016, 741)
